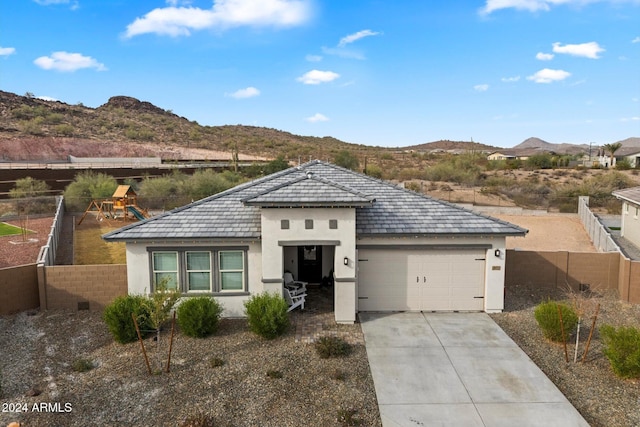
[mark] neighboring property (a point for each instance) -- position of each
(520, 154)
(630, 229)
(630, 154)
(388, 249)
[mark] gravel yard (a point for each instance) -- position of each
(602, 398)
(39, 350)
(16, 251)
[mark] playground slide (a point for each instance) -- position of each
(139, 215)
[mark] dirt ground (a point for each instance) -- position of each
(16, 251)
(559, 232)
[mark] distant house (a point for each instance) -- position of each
(630, 229)
(387, 248)
(630, 154)
(520, 154)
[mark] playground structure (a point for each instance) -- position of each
(122, 205)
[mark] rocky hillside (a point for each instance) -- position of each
(35, 129)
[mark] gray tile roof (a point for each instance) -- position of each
(395, 211)
(309, 190)
(629, 194)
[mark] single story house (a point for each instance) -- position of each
(388, 249)
(630, 154)
(516, 153)
(630, 228)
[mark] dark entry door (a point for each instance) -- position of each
(310, 264)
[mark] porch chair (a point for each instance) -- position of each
(294, 300)
(296, 287)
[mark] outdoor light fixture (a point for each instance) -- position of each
(497, 253)
(346, 261)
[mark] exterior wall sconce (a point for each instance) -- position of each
(497, 253)
(346, 261)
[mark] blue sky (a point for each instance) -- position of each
(374, 72)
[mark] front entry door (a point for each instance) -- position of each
(310, 264)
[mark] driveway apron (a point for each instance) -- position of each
(457, 369)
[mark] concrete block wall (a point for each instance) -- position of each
(601, 271)
(18, 289)
(98, 285)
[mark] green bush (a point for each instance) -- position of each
(82, 365)
(198, 317)
(327, 347)
(546, 315)
(267, 315)
(622, 348)
(117, 316)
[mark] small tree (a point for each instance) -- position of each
(347, 160)
(159, 306)
(27, 191)
(611, 149)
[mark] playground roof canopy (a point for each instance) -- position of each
(123, 191)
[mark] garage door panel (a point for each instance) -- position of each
(420, 280)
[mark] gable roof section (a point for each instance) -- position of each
(631, 195)
(235, 213)
(309, 190)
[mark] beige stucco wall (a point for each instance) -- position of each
(276, 253)
(494, 266)
(138, 272)
(630, 229)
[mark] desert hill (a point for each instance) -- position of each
(37, 129)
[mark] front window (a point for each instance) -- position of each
(199, 271)
(165, 269)
(231, 270)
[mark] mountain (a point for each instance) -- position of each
(542, 145)
(36, 129)
(447, 145)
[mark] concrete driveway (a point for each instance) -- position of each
(457, 369)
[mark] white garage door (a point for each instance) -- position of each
(421, 280)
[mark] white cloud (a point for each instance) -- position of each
(6, 51)
(47, 98)
(541, 56)
(586, 50)
(248, 92)
(68, 62)
(313, 58)
(539, 5)
(74, 3)
(510, 79)
(356, 36)
(180, 21)
(343, 53)
(547, 75)
(315, 77)
(481, 88)
(636, 40)
(317, 117)
(630, 119)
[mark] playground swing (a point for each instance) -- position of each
(123, 201)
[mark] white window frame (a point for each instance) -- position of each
(215, 274)
(187, 271)
(156, 272)
(221, 271)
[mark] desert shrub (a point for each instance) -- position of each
(63, 130)
(546, 315)
(347, 160)
(216, 362)
(198, 420)
(374, 171)
(622, 348)
(86, 186)
(348, 417)
(198, 316)
(117, 316)
(267, 315)
(327, 347)
(272, 373)
(82, 365)
(623, 165)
